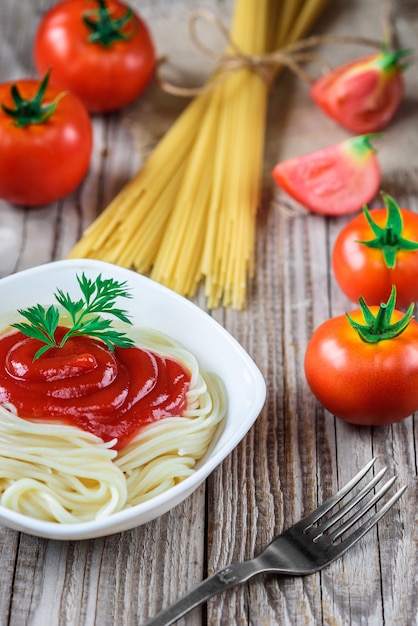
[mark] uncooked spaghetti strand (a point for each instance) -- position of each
(244, 229)
(232, 188)
(220, 236)
(221, 165)
(140, 249)
(153, 176)
(185, 209)
(252, 105)
(290, 11)
(187, 272)
(308, 15)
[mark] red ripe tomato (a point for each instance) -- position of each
(378, 249)
(45, 142)
(98, 49)
(360, 381)
(335, 180)
(365, 94)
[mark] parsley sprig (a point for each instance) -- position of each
(99, 296)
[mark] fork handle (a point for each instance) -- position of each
(222, 580)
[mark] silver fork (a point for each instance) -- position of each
(302, 549)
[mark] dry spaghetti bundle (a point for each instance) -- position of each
(190, 213)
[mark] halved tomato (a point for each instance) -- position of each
(363, 95)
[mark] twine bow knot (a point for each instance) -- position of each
(265, 65)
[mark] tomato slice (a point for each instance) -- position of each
(335, 180)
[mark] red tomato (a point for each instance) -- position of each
(338, 179)
(361, 382)
(365, 94)
(42, 161)
(370, 256)
(107, 69)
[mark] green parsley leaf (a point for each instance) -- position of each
(99, 297)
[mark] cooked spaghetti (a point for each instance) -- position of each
(62, 474)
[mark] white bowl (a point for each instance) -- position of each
(154, 306)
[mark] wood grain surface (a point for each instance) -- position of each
(296, 454)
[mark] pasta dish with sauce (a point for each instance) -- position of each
(60, 470)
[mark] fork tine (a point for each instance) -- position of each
(326, 506)
(364, 509)
(343, 546)
(352, 503)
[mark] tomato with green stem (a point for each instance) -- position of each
(100, 50)
(335, 180)
(378, 249)
(363, 366)
(363, 95)
(46, 141)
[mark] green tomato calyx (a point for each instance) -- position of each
(34, 111)
(378, 327)
(105, 30)
(389, 239)
(388, 60)
(360, 147)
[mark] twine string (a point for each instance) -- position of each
(265, 65)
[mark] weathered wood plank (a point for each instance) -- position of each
(296, 454)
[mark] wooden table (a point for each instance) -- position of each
(296, 454)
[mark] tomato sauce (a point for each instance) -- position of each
(84, 384)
